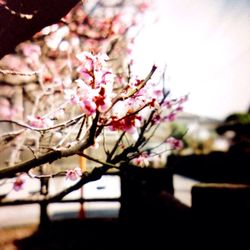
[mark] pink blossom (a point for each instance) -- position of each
(75, 99)
(174, 143)
(156, 119)
(105, 105)
(87, 76)
(18, 183)
(168, 104)
(84, 90)
(73, 174)
(117, 26)
(179, 109)
(129, 123)
(88, 107)
(143, 6)
(141, 160)
(171, 117)
(183, 99)
(87, 59)
(102, 101)
(157, 93)
(107, 77)
(35, 121)
(100, 61)
(39, 122)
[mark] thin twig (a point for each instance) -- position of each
(132, 92)
(80, 129)
(96, 160)
(17, 73)
(116, 146)
(60, 125)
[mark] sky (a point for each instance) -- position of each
(206, 47)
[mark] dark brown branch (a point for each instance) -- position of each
(21, 19)
(80, 129)
(116, 146)
(93, 129)
(27, 165)
(141, 139)
(96, 174)
(97, 161)
(124, 155)
(9, 137)
(40, 199)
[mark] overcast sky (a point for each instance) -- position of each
(206, 46)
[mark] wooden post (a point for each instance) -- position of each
(44, 218)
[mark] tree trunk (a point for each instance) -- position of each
(21, 19)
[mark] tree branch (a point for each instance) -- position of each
(46, 158)
(96, 174)
(60, 125)
(27, 165)
(132, 92)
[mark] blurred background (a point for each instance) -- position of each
(206, 47)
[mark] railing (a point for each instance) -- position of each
(135, 184)
(44, 191)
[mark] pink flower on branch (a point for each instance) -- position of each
(174, 143)
(79, 91)
(129, 123)
(171, 116)
(39, 122)
(142, 160)
(88, 107)
(18, 183)
(73, 174)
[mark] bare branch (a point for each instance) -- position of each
(9, 137)
(60, 125)
(97, 161)
(27, 165)
(17, 73)
(116, 146)
(45, 158)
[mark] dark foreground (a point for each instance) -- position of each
(171, 225)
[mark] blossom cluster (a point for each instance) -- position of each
(84, 85)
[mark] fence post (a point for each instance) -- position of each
(44, 218)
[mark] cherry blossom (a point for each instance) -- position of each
(18, 183)
(82, 86)
(73, 174)
(142, 160)
(174, 143)
(39, 122)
